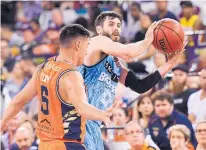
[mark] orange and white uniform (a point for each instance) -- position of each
(59, 127)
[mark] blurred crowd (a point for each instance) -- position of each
(169, 116)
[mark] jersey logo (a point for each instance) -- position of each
(114, 77)
(155, 131)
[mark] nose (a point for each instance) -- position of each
(23, 143)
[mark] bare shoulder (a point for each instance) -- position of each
(97, 43)
(72, 78)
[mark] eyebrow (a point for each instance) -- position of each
(111, 21)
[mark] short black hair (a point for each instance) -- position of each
(162, 95)
(137, 5)
(35, 20)
(70, 32)
(82, 21)
(186, 4)
(102, 16)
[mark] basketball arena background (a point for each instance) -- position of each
(29, 33)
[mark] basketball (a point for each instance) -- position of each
(168, 36)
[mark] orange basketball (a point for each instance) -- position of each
(168, 36)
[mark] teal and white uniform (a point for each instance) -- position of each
(100, 80)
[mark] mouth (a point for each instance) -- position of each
(116, 34)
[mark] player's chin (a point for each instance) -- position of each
(115, 38)
(174, 144)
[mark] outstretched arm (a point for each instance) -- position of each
(129, 79)
(74, 85)
(17, 103)
(124, 51)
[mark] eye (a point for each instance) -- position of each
(111, 24)
(118, 25)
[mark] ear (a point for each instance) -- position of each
(99, 30)
(77, 45)
(187, 142)
(127, 119)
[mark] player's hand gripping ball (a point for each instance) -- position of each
(168, 36)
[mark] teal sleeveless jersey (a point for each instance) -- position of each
(101, 81)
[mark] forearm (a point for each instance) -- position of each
(90, 112)
(136, 49)
(142, 85)
(12, 110)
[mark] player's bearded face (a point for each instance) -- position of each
(112, 28)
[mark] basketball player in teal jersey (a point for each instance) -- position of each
(101, 74)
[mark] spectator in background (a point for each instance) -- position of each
(66, 8)
(27, 11)
(197, 101)
(28, 33)
(133, 25)
(15, 81)
(13, 37)
(193, 82)
(28, 65)
(52, 33)
(165, 117)
(179, 136)
(51, 44)
(201, 135)
(162, 11)
(189, 20)
(119, 119)
(144, 111)
(5, 54)
(179, 90)
(28, 123)
(35, 27)
(199, 63)
(134, 135)
(24, 139)
(8, 137)
(49, 14)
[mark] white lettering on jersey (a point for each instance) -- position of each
(106, 79)
(44, 78)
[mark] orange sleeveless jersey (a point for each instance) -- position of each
(57, 120)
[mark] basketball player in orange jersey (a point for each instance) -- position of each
(101, 73)
(63, 105)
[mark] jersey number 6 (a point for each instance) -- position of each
(45, 102)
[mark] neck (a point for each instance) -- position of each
(162, 11)
(164, 122)
(203, 94)
(16, 78)
(70, 57)
(145, 117)
(189, 16)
